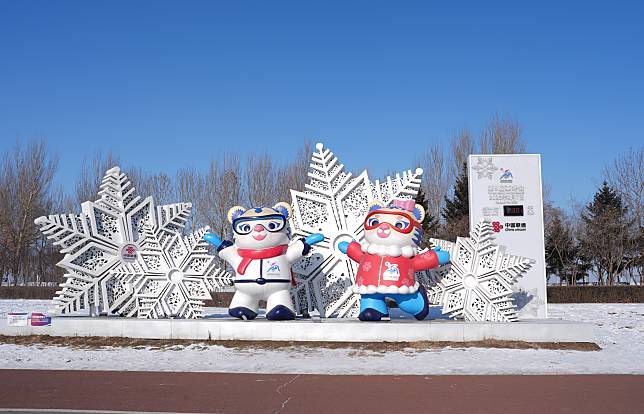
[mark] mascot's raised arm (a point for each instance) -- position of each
(389, 260)
(261, 254)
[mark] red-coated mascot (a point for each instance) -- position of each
(389, 260)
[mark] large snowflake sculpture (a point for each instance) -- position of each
(108, 233)
(478, 284)
(334, 203)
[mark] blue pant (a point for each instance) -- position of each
(412, 303)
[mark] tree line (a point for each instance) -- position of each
(27, 191)
(603, 238)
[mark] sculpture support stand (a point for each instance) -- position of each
(325, 330)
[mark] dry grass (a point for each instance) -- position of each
(96, 342)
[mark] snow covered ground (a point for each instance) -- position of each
(619, 332)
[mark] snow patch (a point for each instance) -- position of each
(619, 330)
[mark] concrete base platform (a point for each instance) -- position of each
(308, 330)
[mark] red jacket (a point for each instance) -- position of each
(386, 274)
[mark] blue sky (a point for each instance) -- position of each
(170, 84)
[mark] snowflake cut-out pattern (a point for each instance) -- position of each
(180, 280)
(484, 167)
(478, 283)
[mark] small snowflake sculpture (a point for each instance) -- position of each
(335, 203)
(105, 235)
(172, 276)
(478, 283)
(484, 167)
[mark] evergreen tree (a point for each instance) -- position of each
(607, 234)
(459, 205)
(429, 223)
(456, 211)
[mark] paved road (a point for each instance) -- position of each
(259, 393)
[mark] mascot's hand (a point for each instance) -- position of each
(310, 240)
(343, 247)
(217, 241)
(314, 238)
(213, 239)
(443, 256)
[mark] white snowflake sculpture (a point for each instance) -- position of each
(335, 203)
(485, 167)
(478, 284)
(171, 276)
(106, 234)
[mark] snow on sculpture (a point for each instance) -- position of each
(108, 233)
(478, 283)
(334, 203)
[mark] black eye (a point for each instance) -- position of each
(401, 224)
(245, 227)
(272, 226)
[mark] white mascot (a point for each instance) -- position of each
(262, 254)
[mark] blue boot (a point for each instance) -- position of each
(371, 315)
(372, 307)
(242, 313)
(423, 313)
(280, 313)
(414, 303)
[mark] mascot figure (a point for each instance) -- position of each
(389, 260)
(261, 254)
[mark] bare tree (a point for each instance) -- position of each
(159, 185)
(461, 147)
(190, 186)
(228, 182)
(626, 176)
(293, 175)
(91, 175)
(435, 179)
(502, 136)
(563, 252)
(212, 193)
(261, 180)
(25, 185)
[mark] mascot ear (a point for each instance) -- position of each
(419, 213)
(235, 212)
(284, 209)
(375, 205)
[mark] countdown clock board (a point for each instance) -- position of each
(506, 191)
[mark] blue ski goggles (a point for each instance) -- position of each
(271, 222)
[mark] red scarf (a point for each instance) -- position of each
(248, 255)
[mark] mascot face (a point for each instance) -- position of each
(261, 227)
(393, 230)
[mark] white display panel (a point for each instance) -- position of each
(506, 191)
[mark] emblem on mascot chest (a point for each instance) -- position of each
(273, 269)
(392, 272)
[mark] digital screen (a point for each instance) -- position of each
(513, 211)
